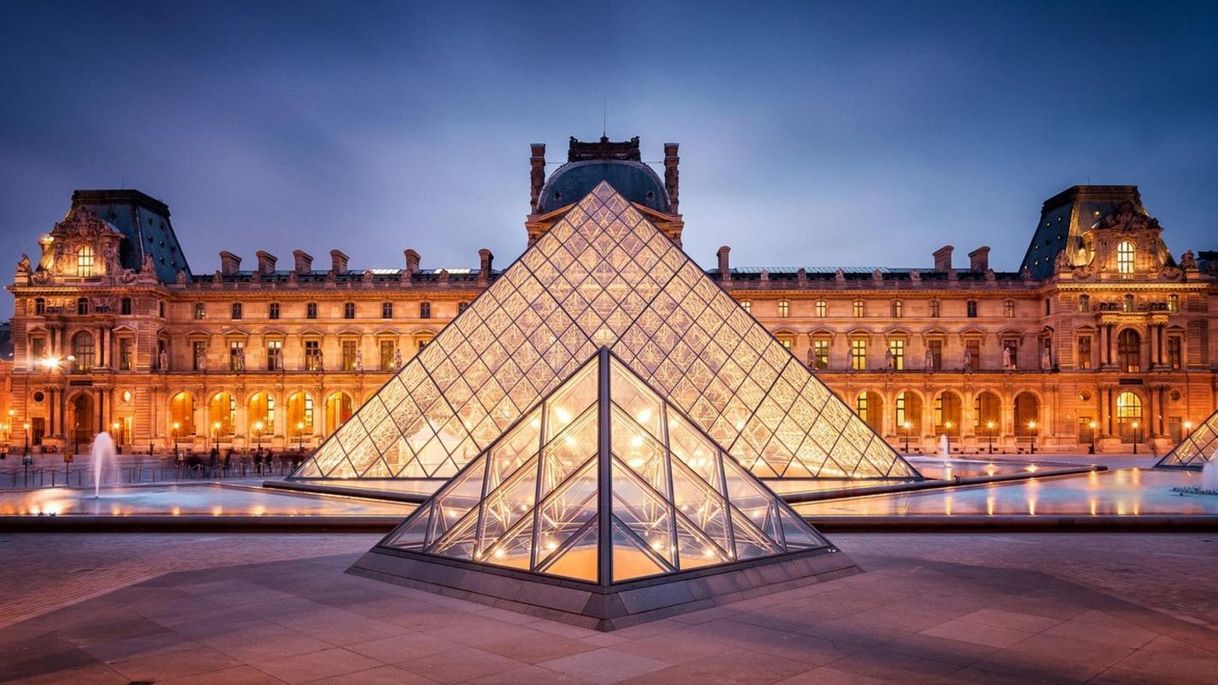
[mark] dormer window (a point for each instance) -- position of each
(84, 261)
(1125, 255)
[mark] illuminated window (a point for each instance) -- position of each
(348, 310)
(860, 405)
(856, 309)
(746, 306)
(274, 355)
(272, 310)
(1173, 303)
(1129, 417)
(897, 307)
(1084, 352)
(200, 311)
(858, 354)
(1008, 308)
(970, 309)
(1125, 254)
(348, 359)
(820, 354)
(311, 310)
(388, 347)
(84, 261)
(1084, 303)
(822, 308)
(784, 308)
(82, 350)
(1127, 303)
(424, 310)
(897, 348)
(786, 343)
(1129, 351)
(313, 359)
(934, 309)
(236, 355)
(238, 310)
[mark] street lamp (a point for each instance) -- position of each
(948, 434)
(1032, 427)
(300, 436)
(990, 426)
(1188, 426)
(1135, 437)
(906, 426)
(258, 435)
(26, 427)
(215, 427)
(1092, 426)
(176, 426)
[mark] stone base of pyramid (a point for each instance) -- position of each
(600, 608)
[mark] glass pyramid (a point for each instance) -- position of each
(1197, 448)
(604, 482)
(604, 276)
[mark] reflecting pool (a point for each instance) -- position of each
(1118, 492)
(209, 499)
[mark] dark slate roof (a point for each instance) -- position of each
(635, 181)
(6, 341)
(1060, 223)
(144, 221)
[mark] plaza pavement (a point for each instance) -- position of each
(1005, 608)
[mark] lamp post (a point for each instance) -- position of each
(1091, 449)
(1188, 426)
(25, 454)
(215, 428)
(906, 426)
(300, 436)
(176, 426)
(258, 435)
(990, 429)
(1135, 437)
(947, 433)
(1032, 427)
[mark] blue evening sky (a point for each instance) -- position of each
(812, 134)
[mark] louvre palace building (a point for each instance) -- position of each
(1103, 337)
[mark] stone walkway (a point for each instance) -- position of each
(931, 608)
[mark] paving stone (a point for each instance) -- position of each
(317, 665)
(459, 664)
(605, 665)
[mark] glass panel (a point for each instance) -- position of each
(458, 498)
(569, 451)
(514, 549)
(578, 560)
(412, 534)
(695, 499)
(508, 454)
(459, 540)
(750, 542)
(635, 399)
(639, 451)
(631, 559)
(695, 549)
(796, 533)
(571, 399)
(505, 506)
(573, 505)
(693, 450)
(643, 511)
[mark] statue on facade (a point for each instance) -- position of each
(359, 361)
(1007, 362)
(915, 276)
(1188, 261)
(811, 359)
(968, 360)
(397, 359)
(163, 360)
(1046, 357)
(877, 275)
(929, 362)
(23, 264)
(888, 361)
(148, 267)
(839, 275)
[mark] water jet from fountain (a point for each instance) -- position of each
(103, 449)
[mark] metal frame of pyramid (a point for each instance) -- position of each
(604, 505)
(604, 276)
(1197, 448)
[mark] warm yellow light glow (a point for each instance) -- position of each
(644, 416)
(907, 425)
(1188, 425)
(1092, 425)
(989, 424)
(563, 414)
(636, 463)
(258, 426)
(1032, 425)
(636, 441)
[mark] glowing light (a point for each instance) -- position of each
(563, 415)
(1031, 468)
(636, 441)
(636, 463)
(499, 553)
(644, 416)
(534, 424)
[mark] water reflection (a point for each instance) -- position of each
(1119, 492)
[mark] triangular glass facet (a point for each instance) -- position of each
(611, 492)
(604, 276)
(1196, 449)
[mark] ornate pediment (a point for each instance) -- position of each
(1126, 218)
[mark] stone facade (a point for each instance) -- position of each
(1102, 325)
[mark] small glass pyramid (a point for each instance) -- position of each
(1197, 448)
(604, 482)
(604, 276)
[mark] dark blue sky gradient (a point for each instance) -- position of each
(813, 134)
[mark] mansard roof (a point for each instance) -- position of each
(144, 222)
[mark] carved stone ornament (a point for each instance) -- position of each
(1188, 261)
(915, 276)
(127, 277)
(216, 277)
(877, 275)
(1082, 273)
(42, 278)
(1171, 273)
(1127, 218)
(367, 277)
(23, 264)
(839, 275)
(181, 278)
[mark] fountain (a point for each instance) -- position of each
(103, 449)
(945, 452)
(1209, 482)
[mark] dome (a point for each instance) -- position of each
(635, 181)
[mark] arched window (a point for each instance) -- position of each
(82, 350)
(223, 413)
(1129, 415)
(84, 261)
(182, 415)
(1125, 255)
(1129, 351)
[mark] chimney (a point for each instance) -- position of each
(943, 258)
(484, 265)
(725, 272)
(537, 173)
(304, 262)
(266, 262)
(979, 259)
(671, 178)
(338, 262)
(230, 263)
(412, 261)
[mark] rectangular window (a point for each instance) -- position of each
(820, 354)
(1084, 303)
(784, 308)
(462, 306)
(897, 307)
(747, 306)
(971, 309)
(124, 306)
(858, 354)
(1008, 309)
(857, 309)
(200, 311)
(973, 348)
(786, 343)
(38, 349)
(313, 355)
(936, 354)
(1048, 306)
(311, 310)
(40, 306)
(822, 309)
(84, 261)
(1174, 357)
(1084, 352)
(238, 311)
(198, 355)
(274, 355)
(934, 309)
(424, 310)
(126, 350)
(348, 359)
(348, 310)
(1173, 303)
(897, 349)
(386, 310)
(272, 310)
(388, 347)
(236, 355)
